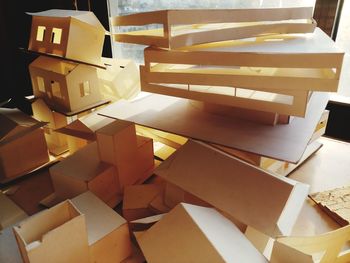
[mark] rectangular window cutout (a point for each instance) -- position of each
(40, 34)
(56, 35)
(56, 89)
(41, 84)
(85, 89)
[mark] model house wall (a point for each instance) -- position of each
(64, 85)
(22, 144)
(76, 35)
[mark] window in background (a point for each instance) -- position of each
(124, 7)
(343, 42)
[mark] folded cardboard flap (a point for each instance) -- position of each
(137, 199)
(239, 189)
(191, 233)
(38, 236)
(108, 233)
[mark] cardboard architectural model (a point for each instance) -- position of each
(236, 188)
(70, 178)
(137, 199)
(327, 247)
(64, 224)
(108, 232)
(81, 131)
(56, 142)
(191, 233)
(259, 64)
(64, 85)
(22, 144)
(83, 229)
(132, 155)
(120, 79)
(273, 73)
(190, 27)
(179, 116)
(117, 159)
(75, 35)
(336, 203)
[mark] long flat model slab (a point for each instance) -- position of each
(179, 116)
(274, 62)
(196, 26)
(264, 201)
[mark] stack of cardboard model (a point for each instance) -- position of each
(247, 83)
(117, 159)
(70, 76)
(243, 68)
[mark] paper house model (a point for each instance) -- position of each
(76, 35)
(70, 178)
(56, 142)
(191, 233)
(108, 232)
(22, 144)
(54, 235)
(65, 86)
(120, 79)
(242, 191)
(81, 131)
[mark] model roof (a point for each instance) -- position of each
(84, 16)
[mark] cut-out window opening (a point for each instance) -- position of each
(40, 34)
(56, 35)
(41, 84)
(56, 89)
(85, 89)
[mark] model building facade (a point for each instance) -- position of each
(64, 85)
(76, 35)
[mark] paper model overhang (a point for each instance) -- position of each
(15, 124)
(271, 73)
(180, 116)
(85, 126)
(259, 199)
(196, 26)
(192, 233)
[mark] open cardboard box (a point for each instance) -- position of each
(54, 235)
